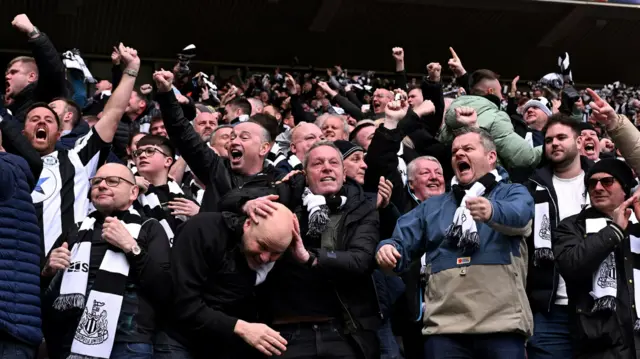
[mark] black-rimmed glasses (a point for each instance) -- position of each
(149, 151)
(112, 181)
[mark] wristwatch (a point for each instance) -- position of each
(312, 258)
(34, 32)
(135, 250)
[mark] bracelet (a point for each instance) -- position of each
(130, 72)
(34, 32)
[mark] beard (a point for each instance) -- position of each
(570, 155)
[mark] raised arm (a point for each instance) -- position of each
(115, 107)
(51, 70)
(200, 158)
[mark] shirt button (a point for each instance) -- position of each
(315, 327)
(579, 310)
(625, 258)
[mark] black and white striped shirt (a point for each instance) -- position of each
(61, 195)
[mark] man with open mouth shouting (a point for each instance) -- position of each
(590, 142)
(473, 233)
(248, 148)
(60, 196)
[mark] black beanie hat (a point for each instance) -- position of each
(585, 126)
(347, 148)
(618, 169)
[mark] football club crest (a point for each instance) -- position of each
(545, 230)
(607, 275)
(92, 329)
(50, 161)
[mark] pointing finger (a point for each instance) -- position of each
(594, 95)
(453, 53)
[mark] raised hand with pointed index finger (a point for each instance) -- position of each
(601, 110)
(455, 64)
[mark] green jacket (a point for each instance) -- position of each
(513, 150)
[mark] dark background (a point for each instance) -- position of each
(511, 37)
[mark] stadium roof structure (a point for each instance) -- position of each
(512, 37)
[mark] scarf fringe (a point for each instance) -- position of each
(636, 326)
(80, 356)
(541, 255)
(606, 303)
(318, 221)
(469, 242)
(69, 301)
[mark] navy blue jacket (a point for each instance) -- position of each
(19, 253)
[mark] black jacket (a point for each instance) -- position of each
(213, 285)
(214, 171)
(51, 81)
(604, 334)
(146, 293)
(542, 279)
(347, 269)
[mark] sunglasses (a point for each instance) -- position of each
(605, 181)
(149, 151)
(112, 181)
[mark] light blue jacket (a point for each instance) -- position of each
(483, 292)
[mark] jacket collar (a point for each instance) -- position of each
(544, 175)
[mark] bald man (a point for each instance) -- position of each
(118, 264)
(218, 261)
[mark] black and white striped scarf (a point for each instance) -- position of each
(542, 228)
(96, 330)
(320, 208)
(463, 232)
(275, 155)
(605, 284)
(155, 201)
(294, 162)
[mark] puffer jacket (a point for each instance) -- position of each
(626, 137)
(513, 151)
(20, 315)
(603, 334)
(459, 298)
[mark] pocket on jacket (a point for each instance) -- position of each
(598, 330)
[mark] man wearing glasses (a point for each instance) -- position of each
(164, 199)
(111, 275)
(596, 251)
(559, 192)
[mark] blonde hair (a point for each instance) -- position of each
(27, 60)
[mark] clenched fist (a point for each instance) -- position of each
(480, 208)
(164, 80)
(396, 110)
(387, 257)
(434, 71)
(398, 53)
(467, 116)
(22, 23)
(59, 259)
(129, 57)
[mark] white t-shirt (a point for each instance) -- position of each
(571, 197)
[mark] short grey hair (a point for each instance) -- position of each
(485, 137)
(412, 166)
(213, 134)
(320, 144)
(323, 118)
